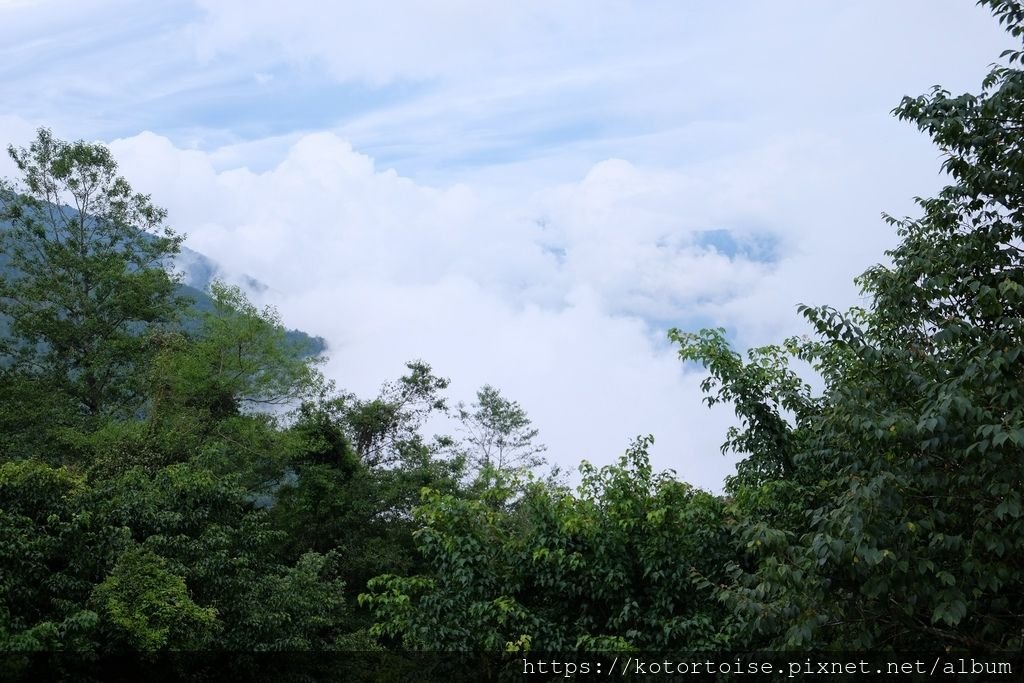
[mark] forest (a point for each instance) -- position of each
(176, 477)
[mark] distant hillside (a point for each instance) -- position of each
(199, 271)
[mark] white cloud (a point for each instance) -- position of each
(542, 293)
(557, 165)
(389, 270)
(382, 41)
(578, 82)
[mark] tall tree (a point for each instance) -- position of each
(499, 434)
(387, 428)
(89, 269)
(238, 359)
(911, 465)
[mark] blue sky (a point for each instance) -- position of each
(523, 194)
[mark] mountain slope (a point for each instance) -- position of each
(199, 272)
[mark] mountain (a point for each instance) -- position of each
(198, 272)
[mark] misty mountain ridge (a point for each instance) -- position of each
(198, 272)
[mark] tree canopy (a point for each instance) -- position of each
(202, 486)
(91, 267)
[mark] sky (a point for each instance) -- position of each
(524, 194)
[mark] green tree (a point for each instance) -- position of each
(175, 558)
(912, 461)
(629, 560)
(204, 526)
(89, 274)
(236, 360)
(499, 435)
(356, 473)
(151, 536)
(386, 427)
(144, 606)
(219, 389)
(52, 552)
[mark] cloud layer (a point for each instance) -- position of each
(549, 300)
(561, 296)
(524, 194)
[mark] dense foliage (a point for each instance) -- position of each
(201, 486)
(884, 513)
